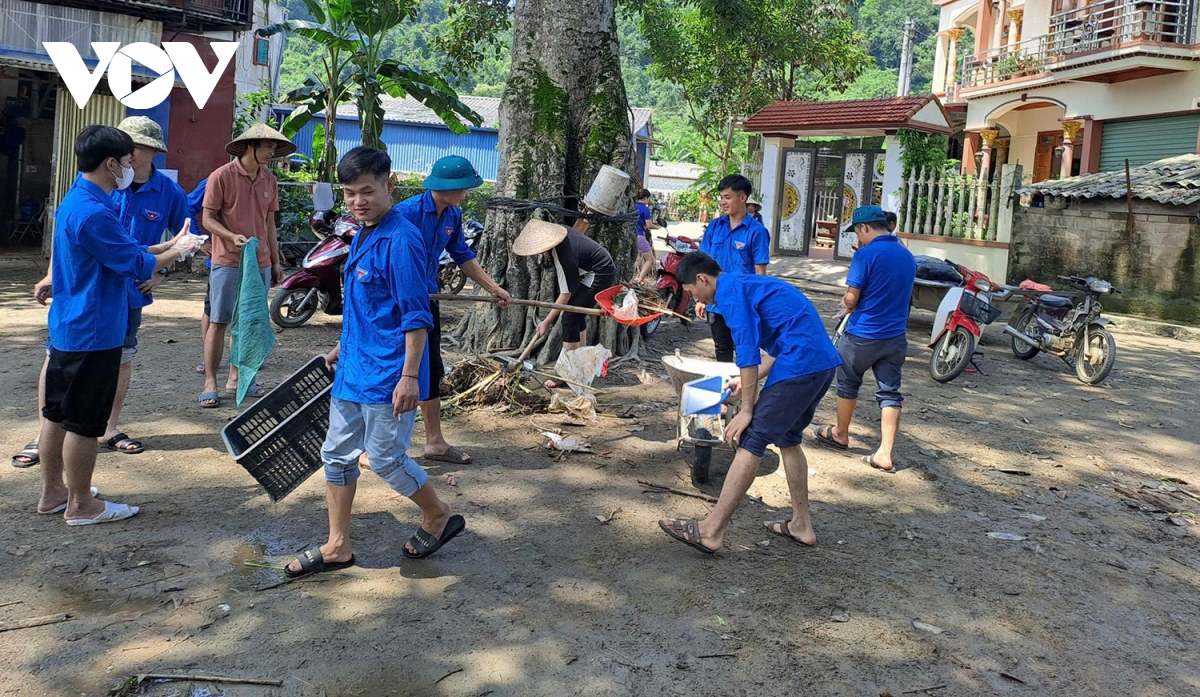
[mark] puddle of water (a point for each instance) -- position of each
(245, 577)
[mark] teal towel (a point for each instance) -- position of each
(253, 337)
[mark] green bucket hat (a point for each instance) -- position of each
(451, 173)
(144, 132)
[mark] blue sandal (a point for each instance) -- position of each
(209, 397)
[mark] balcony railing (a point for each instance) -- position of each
(1005, 63)
(1109, 24)
(187, 15)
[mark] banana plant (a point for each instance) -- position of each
(353, 35)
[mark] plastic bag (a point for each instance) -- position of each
(629, 307)
(579, 406)
(934, 269)
(582, 366)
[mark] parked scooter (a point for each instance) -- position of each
(451, 279)
(959, 322)
(1069, 330)
(674, 297)
(319, 281)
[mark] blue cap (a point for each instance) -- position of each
(451, 173)
(866, 214)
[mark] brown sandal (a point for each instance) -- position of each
(686, 531)
(780, 527)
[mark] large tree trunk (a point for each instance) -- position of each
(563, 115)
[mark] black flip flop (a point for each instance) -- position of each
(428, 544)
(121, 443)
(827, 440)
(783, 531)
(689, 534)
(313, 562)
(29, 453)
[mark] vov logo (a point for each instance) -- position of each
(174, 57)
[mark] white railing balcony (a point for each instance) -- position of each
(1005, 63)
(1111, 24)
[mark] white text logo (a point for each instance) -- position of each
(174, 57)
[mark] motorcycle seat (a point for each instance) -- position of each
(1056, 301)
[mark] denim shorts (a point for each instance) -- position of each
(357, 428)
(784, 410)
(883, 357)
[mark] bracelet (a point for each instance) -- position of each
(414, 377)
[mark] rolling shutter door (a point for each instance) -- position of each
(1147, 140)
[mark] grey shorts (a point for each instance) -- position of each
(883, 357)
(223, 291)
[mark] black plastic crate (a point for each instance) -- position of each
(278, 440)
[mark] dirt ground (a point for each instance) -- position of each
(1101, 595)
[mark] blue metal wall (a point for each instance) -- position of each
(415, 147)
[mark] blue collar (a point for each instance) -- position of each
(154, 183)
(382, 231)
(97, 193)
(885, 238)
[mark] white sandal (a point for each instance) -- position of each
(112, 513)
(63, 506)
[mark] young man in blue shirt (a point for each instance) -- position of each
(437, 213)
(94, 260)
(880, 284)
(772, 316)
(645, 244)
(382, 370)
(740, 244)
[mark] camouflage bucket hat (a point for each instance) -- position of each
(144, 132)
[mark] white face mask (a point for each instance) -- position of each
(126, 177)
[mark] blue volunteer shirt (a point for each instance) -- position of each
(385, 296)
(157, 207)
(737, 250)
(773, 315)
(440, 233)
(93, 263)
(883, 271)
(643, 216)
(195, 202)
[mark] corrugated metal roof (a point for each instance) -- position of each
(409, 110)
(885, 113)
(1174, 180)
(674, 170)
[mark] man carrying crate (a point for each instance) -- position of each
(382, 369)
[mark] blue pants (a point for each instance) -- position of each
(883, 357)
(357, 428)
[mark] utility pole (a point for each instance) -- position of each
(904, 83)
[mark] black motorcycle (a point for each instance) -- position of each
(1067, 329)
(451, 279)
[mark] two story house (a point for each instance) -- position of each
(39, 118)
(1067, 87)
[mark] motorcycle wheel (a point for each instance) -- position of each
(451, 279)
(285, 307)
(702, 459)
(1027, 325)
(1095, 361)
(952, 355)
(668, 301)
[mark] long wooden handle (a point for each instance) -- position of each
(515, 301)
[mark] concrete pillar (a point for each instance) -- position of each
(893, 170)
(988, 136)
(1015, 18)
(1001, 21)
(1001, 157)
(1010, 181)
(939, 65)
(955, 35)
(1093, 134)
(1070, 130)
(970, 147)
(983, 26)
(772, 176)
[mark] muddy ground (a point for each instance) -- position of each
(540, 598)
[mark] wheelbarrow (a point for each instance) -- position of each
(701, 432)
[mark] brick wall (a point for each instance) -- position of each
(1157, 268)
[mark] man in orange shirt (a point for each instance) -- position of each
(239, 203)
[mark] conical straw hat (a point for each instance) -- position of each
(261, 131)
(538, 236)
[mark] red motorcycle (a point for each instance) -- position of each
(318, 283)
(959, 322)
(675, 298)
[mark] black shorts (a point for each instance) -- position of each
(80, 387)
(437, 369)
(573, 323)
(784, 410)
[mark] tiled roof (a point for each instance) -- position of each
(409, 110)
(1175, 180)
(885, 113)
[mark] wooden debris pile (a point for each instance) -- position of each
(648, 299)
(481, 382)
